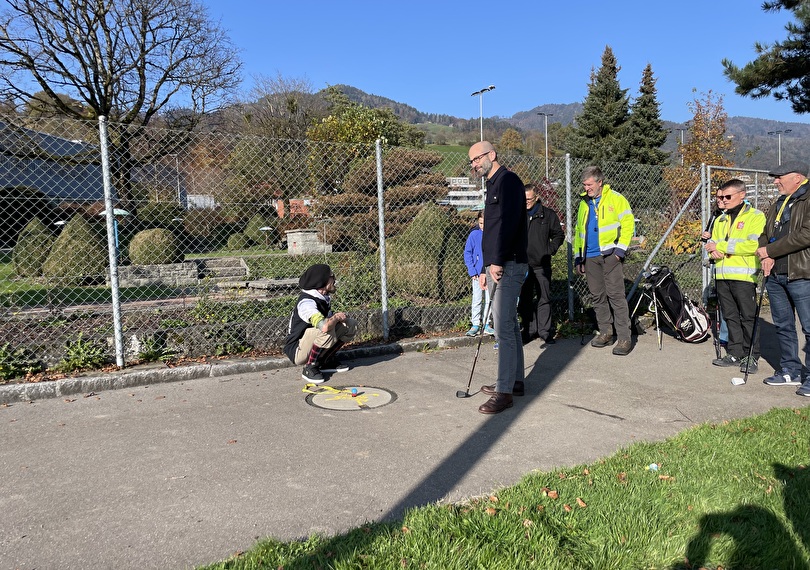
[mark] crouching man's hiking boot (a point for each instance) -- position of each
(496, 404)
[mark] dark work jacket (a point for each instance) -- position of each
(796, 244)
(298, 326)
(545, 235)
(505, 226)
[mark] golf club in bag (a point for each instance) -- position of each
(741, 381)
(466, 393)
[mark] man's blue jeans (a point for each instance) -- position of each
(788, 298)
(507, 328)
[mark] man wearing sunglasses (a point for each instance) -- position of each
(503, 246)
(784, 250)
(732, 247)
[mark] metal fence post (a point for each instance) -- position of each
(381, 226)
(112, 246)
(569, 236)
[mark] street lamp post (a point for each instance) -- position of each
(682, 130)
(779, 143)
(480, 94)
(545, 135)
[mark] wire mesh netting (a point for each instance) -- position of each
(210, 232)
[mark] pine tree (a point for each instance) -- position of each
(781, 69)
(645, 133)
(599, 134)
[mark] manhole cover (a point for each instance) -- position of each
(348, 398)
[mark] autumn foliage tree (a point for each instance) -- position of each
(707, 144)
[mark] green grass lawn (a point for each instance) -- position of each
(729, 495)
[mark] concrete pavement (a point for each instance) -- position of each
(176, 474)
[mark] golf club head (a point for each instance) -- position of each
(736, 381)
(462, 394)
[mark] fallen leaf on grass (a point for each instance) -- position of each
(527, 523)
(666, 478)
(493, 499)
(622, 476)
(405, 530)
(567, 508)
(581, 503)
(490, 511)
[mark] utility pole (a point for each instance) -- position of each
(480, 94)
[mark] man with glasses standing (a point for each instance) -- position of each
(732, 247)
(505, 261)
(785, 255)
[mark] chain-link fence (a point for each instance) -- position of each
(210, 231)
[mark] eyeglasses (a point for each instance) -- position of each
(720, 197)
(479, 157)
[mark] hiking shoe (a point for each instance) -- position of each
(623, 347)
(312, 373)
(804, 390)
(752, 363)
(333, 365)
(489, 330)
(783, 378)
(727, 360)
(518, 390)
(602, 340)
(473, 331)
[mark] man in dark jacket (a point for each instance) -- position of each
(785, 255)
(505, 262)
(545, 238)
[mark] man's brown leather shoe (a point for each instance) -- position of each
(496, 404)
(518, 390)
(602, 340)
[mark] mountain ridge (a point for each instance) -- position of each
(755, 148)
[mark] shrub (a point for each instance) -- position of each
(427, 259)
(256, 235)
(81, 354)
(159, 215)
(238, 241)
(17, 362)
(155, 247)
(31, 250)
(79, 255)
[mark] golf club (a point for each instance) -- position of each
(740, 381)
(466, 393)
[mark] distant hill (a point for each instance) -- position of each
(755, 147)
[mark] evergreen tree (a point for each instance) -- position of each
(645, 133)
(599, 134)
(782, 69)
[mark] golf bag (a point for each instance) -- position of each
(690, 322)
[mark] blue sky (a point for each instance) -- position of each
(433, 55)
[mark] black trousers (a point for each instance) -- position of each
(738, 301)
(535, 314)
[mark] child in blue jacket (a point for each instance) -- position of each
(474, 260)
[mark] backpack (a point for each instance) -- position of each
(690, 322)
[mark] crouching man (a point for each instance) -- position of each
(315, 334)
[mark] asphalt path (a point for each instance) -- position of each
(178, 474)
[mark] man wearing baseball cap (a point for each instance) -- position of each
(315, 333)
(784, 249)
